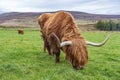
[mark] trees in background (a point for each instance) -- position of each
(108, 25)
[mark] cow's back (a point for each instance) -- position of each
(59, 23)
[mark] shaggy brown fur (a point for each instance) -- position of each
(63, 25)
(20, 31)
(41, 20)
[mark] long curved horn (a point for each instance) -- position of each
(62, 43)
(98, 44)
(65, 43)
(57, 39)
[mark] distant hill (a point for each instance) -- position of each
(88, 16)
(29, 19)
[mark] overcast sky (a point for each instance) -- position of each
(89, 6)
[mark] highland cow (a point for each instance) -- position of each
(20, 31)
(59, 31)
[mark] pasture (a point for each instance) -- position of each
(22, 58)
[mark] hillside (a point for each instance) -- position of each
(29, 19)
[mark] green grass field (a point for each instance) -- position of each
(22, 58)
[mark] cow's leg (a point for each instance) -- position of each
(54, 47)
(48, 49)
(57, 60)
(47, 46)
(49, 52)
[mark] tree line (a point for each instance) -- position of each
(108, 25)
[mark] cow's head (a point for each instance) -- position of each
(77, 52)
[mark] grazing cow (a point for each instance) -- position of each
(20, 31)
(59, 31)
